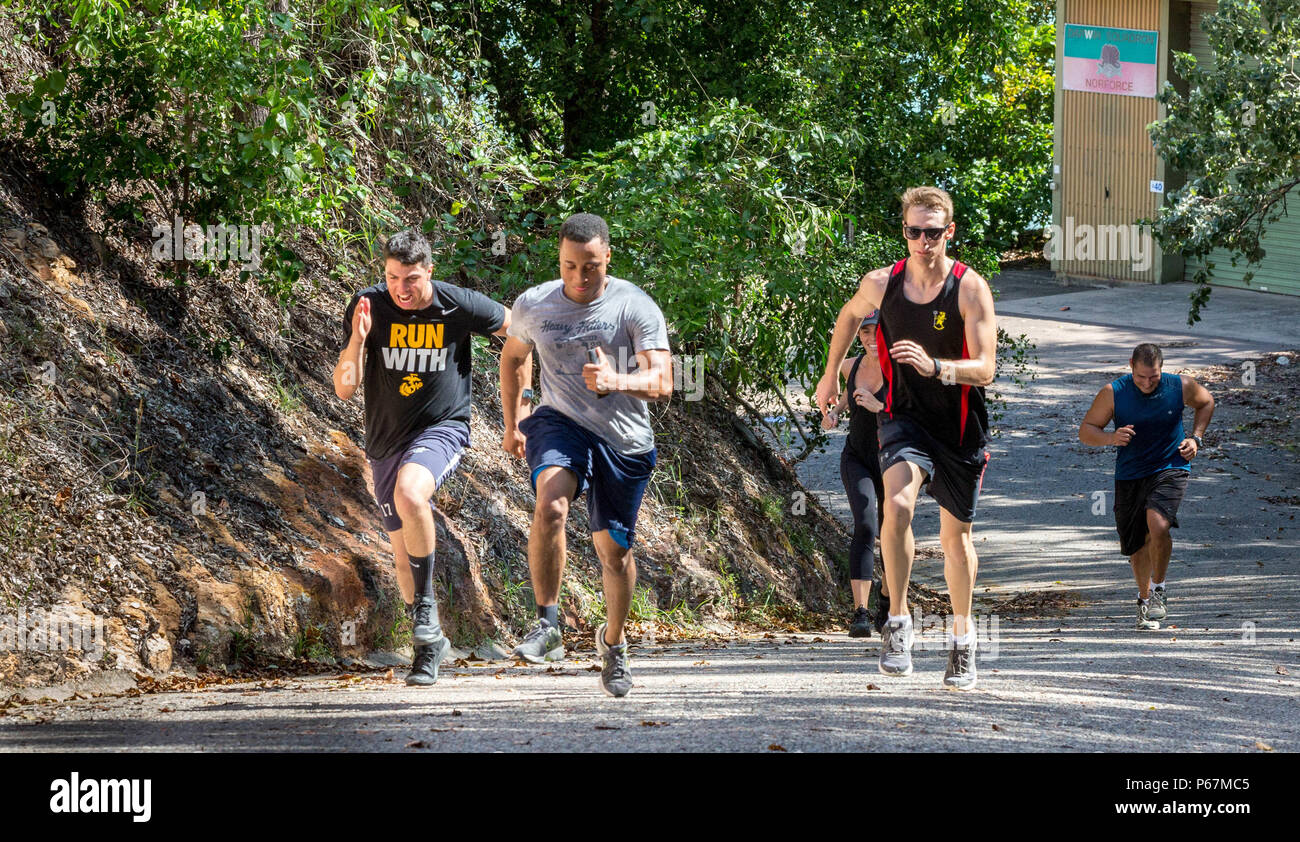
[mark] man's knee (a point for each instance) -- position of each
(898, 511)
(552, 512)
(1157, 525)
(956, 542)
(409, 499)
(616, 561)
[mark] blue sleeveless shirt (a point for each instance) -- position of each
(1157, 421)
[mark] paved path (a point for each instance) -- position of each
(1221, 677)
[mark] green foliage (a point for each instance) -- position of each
(954, 94)
(225, 111)
(777, 128)
(1236, 134)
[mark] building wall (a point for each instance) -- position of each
(1105, 157)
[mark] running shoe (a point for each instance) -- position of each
(424, 618)
(896, 648)
(424, 670)
(1144, 621)
(543, 643)
(960, 674)
(1156, 608)
(615, 677)
(861, 622)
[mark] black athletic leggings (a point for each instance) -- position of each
(866, 490)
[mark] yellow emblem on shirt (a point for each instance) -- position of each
(410, 384)
(940, 316)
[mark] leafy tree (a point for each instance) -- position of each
(1235, 134)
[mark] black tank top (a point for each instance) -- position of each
(955, 415)
(862, 438)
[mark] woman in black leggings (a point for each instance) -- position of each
(860, 471)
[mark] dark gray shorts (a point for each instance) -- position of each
(438, 449)
(1162, 491)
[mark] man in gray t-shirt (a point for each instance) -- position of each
(621, 323)
(603, 351)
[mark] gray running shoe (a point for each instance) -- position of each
(424, 670)
(1156, 609)
(960, 674)
(1144, 622)
(615, 678)
(424, 619)
(896, 648)
(543, 643)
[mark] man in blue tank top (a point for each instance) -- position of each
(1151, 466)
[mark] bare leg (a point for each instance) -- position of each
(402, 566)
(902, 484)
(861, 589)
(1160, 545)
(1141, 561)
(546, 544)
(959, 567)
(618, 569)
(415, 487)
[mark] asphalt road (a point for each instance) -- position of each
(1220, 677)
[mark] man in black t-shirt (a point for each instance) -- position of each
(410, 340)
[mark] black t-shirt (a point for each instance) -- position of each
(417, 362)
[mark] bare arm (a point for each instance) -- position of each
(348, 370)
(976, 302)
(1093, 429)
(831, 419)
(652, 381)
(516, 375)
(1202, 402)
(871, 289)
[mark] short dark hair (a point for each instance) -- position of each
(409, 247)
(1148, 354)
(583, 228)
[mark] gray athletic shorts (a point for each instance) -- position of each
(438, 449)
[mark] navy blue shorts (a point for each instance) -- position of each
(437, 448)
(617, 480)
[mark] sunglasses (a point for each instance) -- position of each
(914, 233)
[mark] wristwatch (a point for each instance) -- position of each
(528, 395)
(938, 368)
(1200, 445)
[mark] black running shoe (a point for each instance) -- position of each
(424, 671)
(860, 624)
(877, 606)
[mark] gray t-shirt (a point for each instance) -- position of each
(623, 321)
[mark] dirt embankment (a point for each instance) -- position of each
(177, 477)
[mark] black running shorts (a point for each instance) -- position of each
(1162, 491)
(953, 478)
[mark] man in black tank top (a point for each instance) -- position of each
(937, 343)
